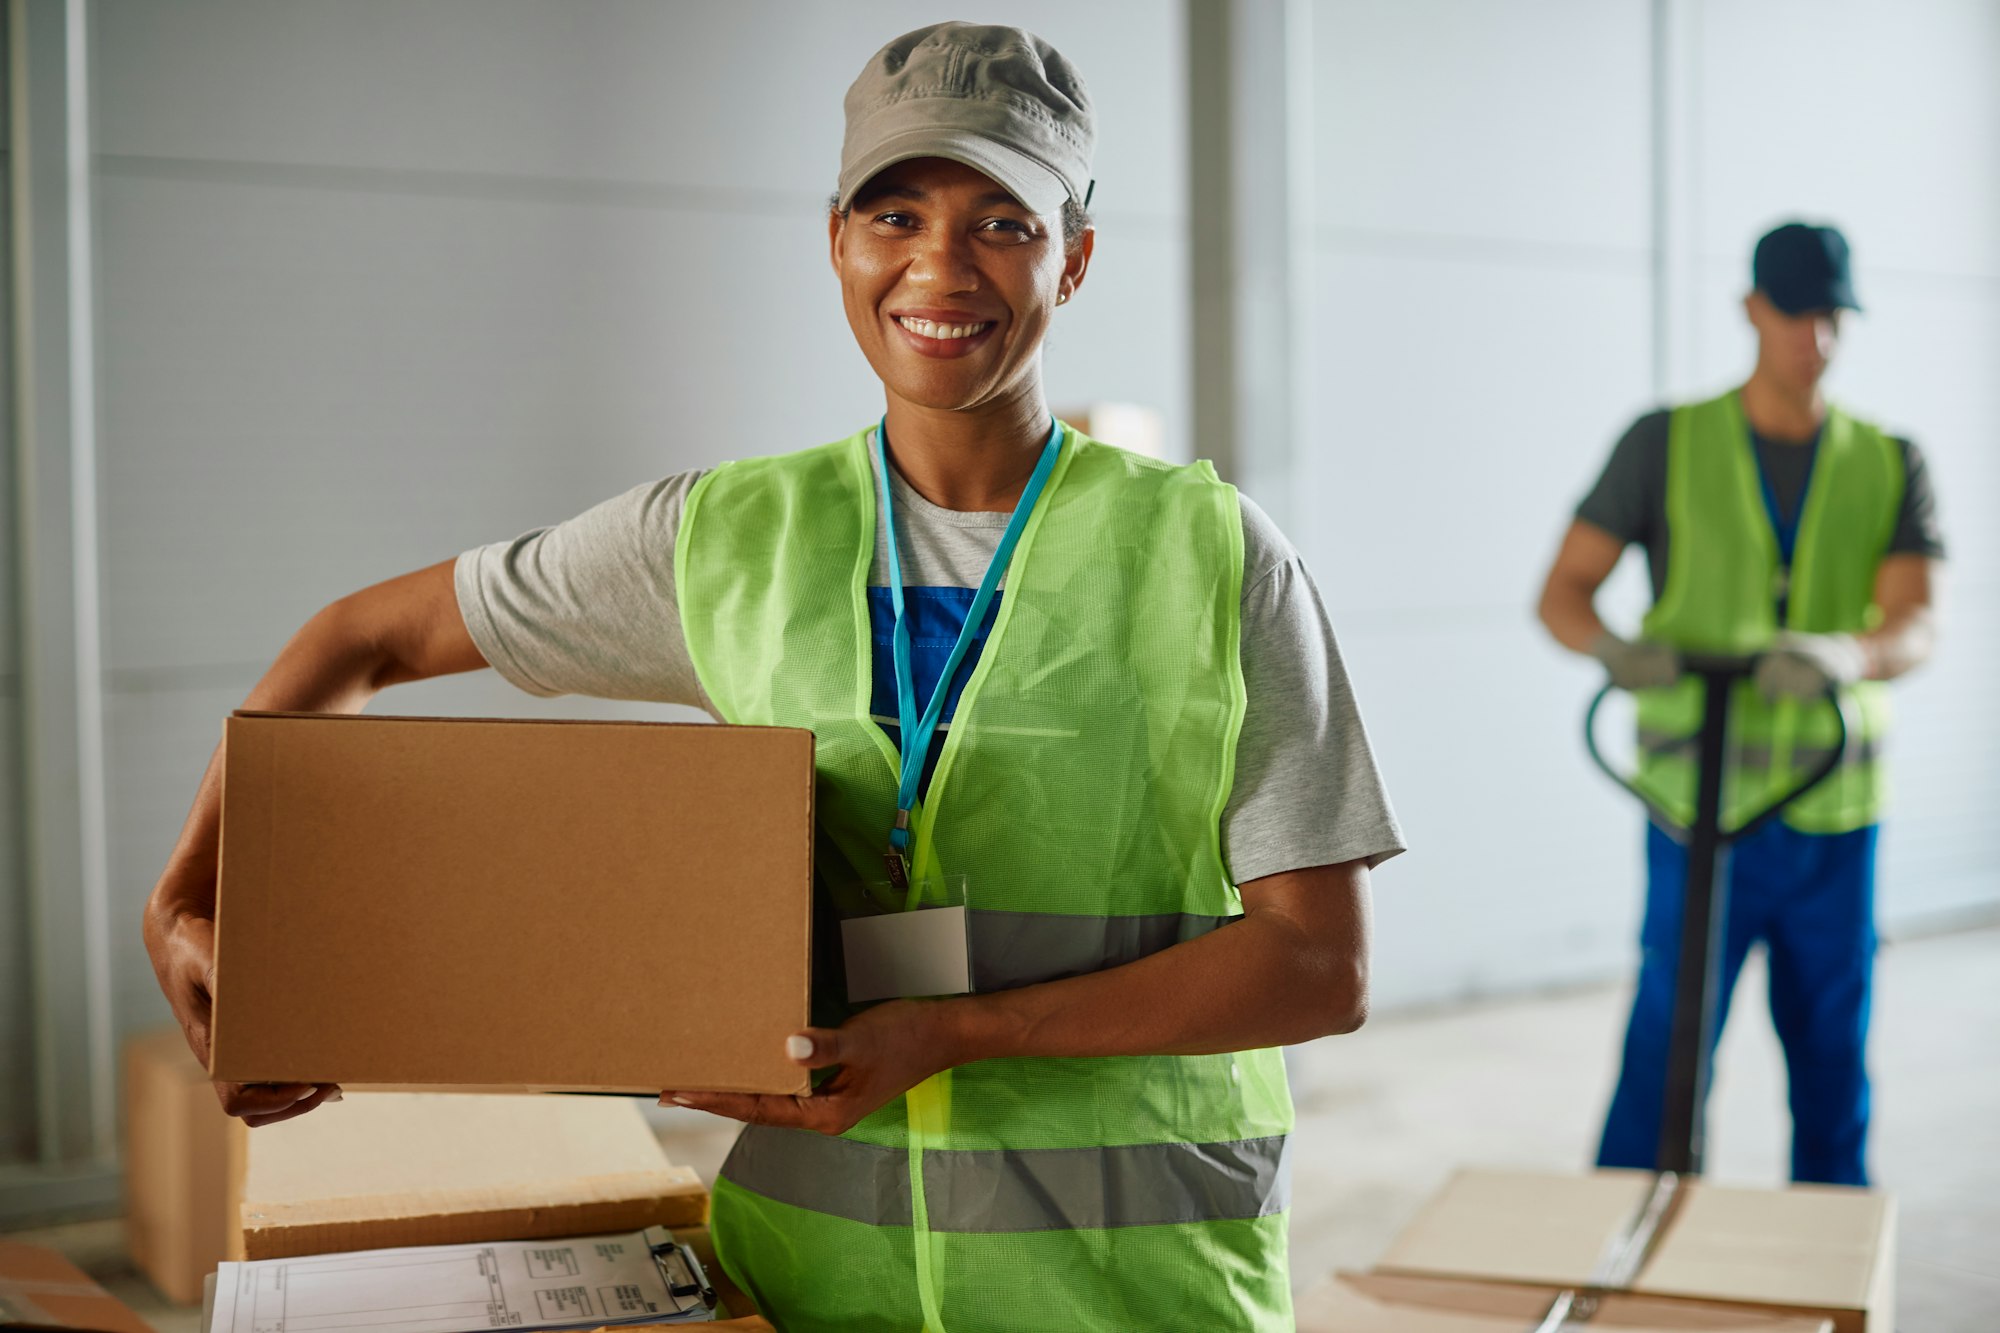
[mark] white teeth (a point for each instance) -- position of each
(925, 328)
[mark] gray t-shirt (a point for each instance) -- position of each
(588, 607)
(1629, 500)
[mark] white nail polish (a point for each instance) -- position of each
(798, 1047)
(682, 1101)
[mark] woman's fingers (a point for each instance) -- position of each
(815, 1048)
(268, 1112)
(827, 1112)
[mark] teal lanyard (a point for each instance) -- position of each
(1784, 530)
(916, 732)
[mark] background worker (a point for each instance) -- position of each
(1773, 523)
(1141, 752)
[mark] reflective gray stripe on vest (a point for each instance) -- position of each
(1136, 1185)
(1011, 949)
(1860, 750)
(861, 1182)
(1013, 1190)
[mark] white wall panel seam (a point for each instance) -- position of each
(657, 196)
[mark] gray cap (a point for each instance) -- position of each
(1000, 100)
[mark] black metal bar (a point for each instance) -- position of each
(1705, 907)
(1705, 911)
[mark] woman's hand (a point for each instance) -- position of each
(183, 953)
(882, 1052)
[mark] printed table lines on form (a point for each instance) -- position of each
(447, 1289)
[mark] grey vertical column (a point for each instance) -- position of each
(1675, 76)
(52, 441)
(1250, 179)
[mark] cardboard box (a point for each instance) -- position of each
(513, 905)
(41, 1289)
(381, 1169)
(176, 1165)
(1822, 1251)
(1381, 1303)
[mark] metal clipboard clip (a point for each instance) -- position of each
(682, 1272)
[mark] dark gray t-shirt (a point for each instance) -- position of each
(1629, 500)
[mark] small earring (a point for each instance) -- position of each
(1061, 299)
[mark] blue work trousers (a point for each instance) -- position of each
(1811, 899)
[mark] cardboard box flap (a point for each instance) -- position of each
(594, 906)
(1814, 1245)
(1385, 1303)
(41, 1289)
(1519, 1226)
(380, 1169)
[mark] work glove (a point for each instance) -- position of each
(1637, 665)
(1806, 666)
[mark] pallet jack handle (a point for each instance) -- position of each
(1706, 902)
(1721, 672)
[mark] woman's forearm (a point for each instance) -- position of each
(1287, 972)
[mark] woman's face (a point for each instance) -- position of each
(949, 283)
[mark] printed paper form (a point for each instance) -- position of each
(541, 1284)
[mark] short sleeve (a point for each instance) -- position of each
(587, 606)
(1917, 530)
(1630, 492)
(1307, 791)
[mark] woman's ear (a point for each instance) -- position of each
(1075, 264)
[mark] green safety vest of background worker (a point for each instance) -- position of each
(1774, 524)
(1139, 761)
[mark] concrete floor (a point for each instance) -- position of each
(1385, 1114)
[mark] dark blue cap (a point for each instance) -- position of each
(1801, 267)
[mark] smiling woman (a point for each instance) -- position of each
(950, 284)
(1092, 698)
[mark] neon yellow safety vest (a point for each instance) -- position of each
(1080, 788)
(1720, 597)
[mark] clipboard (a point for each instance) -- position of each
(679, 1268)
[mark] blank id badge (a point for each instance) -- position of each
(899, 953)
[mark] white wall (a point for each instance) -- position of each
(1486, 323)
(379, 281)
(1911, 171)
(382, 281)
(1481, 308)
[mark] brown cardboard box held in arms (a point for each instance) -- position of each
(512, 905)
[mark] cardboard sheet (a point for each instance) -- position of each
(1820, 1250)
(1803, 1245)
(520, 904)
(377, 1170)
(42, 1290)
(1377, 1303)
